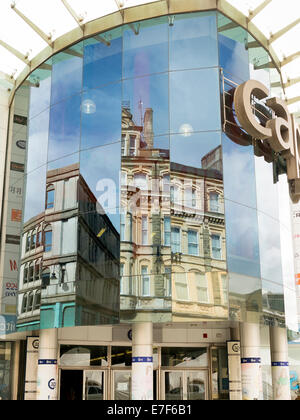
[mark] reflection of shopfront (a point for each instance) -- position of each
(179, 373)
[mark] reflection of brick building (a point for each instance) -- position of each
(173, 247)
(63, 277)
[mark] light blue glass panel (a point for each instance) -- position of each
(64, 130)
(101, 116)
(239, 172)
(35, 194)
(37, 144)
(194, 100)
(145, 47)
(194, 149)
(242, 239)
(67, 73)
(193, 41)
(102, 59)
(145, 93)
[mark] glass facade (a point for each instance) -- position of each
(142, 201)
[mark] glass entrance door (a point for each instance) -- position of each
(184, 385)
(121, 385)
(94, 385)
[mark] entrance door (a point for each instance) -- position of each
(121, 385)
(184, 385)
(94, 385)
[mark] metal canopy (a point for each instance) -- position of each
(33, 30)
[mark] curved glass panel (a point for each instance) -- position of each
(145, 200)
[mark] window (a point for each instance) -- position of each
(28, 242)
(166, 184)
(174, 194)
(175, 239)
(144, 230)
(30, 302)
(201, 286)
(181, 286)
(36, 270)
(190, 197)
(123, 144)
(50, 197)
(216, 246)
(24, 303)
(140, 181)
(25, 274)
(37, 300)
(145, 281)
(167, 230)
(33, 241)
(45, 278)
(30, 272)
(168, 283)
(193, 242)
(121, 279)
(48, 240)
(122, 227)
(132, 140)
(214, 202)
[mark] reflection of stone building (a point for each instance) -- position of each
(63, 277)
(173, 249)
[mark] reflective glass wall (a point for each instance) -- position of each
(141, 201)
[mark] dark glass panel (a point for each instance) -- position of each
(102, 59)
(101, 116)
(145, 47)
(64, 130)
(193, 41)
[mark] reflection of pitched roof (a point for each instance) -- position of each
(206, 173)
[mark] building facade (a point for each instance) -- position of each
(154, 236)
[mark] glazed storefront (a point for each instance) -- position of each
(147, 202)
(179, 373)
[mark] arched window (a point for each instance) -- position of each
(37, 300)
(47, 238)
(24, 304)
(30, 302)
(25, 274)
(31, 272)
(140, 181)
(37, 268)
(28, 242)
